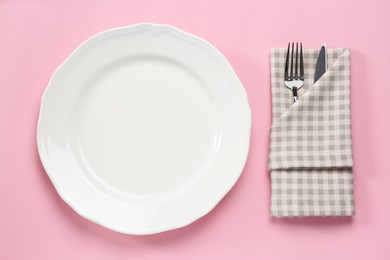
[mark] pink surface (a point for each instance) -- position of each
(38, 35)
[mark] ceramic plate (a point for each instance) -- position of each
(144, 128)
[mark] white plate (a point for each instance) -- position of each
(144, 128)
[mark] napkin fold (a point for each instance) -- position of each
(310, 157)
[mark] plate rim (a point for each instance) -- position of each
(201, 213)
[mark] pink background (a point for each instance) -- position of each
(36, 36)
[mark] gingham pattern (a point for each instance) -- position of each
(311, 146)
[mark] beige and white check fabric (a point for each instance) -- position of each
(311, 145)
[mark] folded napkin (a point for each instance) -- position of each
(310, 156)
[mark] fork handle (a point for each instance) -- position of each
(295, 93)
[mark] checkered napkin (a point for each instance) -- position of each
(311, 146)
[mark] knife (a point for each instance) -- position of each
(322, 63)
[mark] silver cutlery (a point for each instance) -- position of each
(322, 63)
(292, 78)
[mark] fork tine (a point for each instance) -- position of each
(296, 63)
(292, 61)
(286, 65)
(301, 72)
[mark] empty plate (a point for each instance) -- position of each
(144, 128)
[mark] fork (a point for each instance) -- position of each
(294, 79)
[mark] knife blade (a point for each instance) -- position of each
(321, 65)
